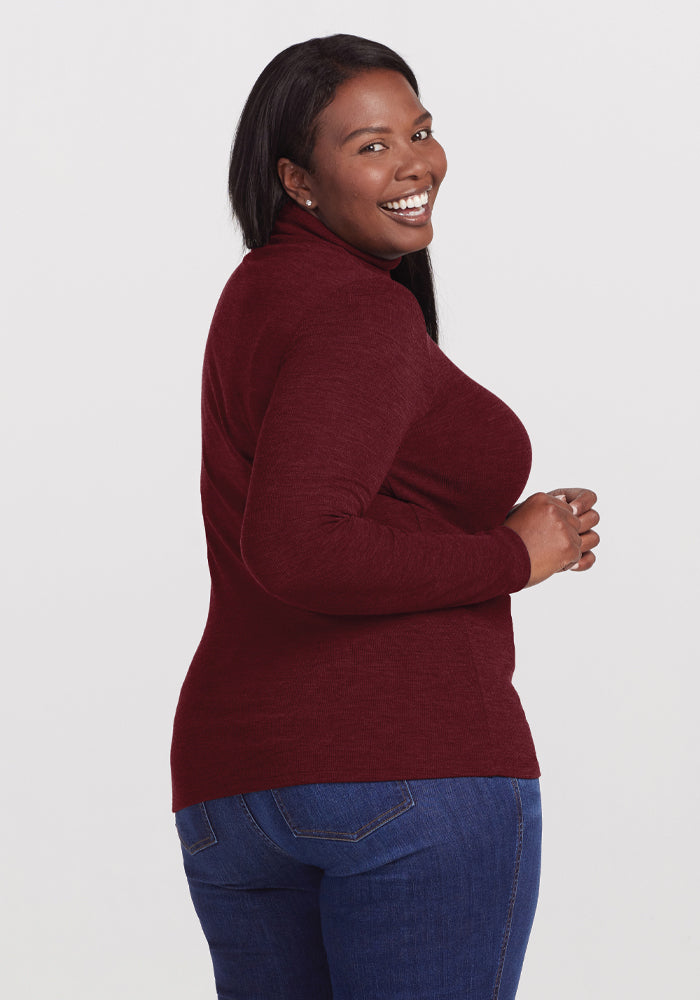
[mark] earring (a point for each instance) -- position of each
(308, 202)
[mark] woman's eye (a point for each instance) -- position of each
(424, 133)
(372, 147)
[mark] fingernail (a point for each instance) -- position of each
(574, 509)
(575, 566)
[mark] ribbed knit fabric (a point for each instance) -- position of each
(354, 485)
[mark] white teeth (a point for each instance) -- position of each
(415, 201)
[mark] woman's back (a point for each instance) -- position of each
(351, 477)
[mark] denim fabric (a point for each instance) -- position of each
(390, 890)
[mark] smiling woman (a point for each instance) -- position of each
(365, 190)
(355, 785)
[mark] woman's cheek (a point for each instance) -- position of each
(440, 168)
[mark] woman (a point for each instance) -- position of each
(355, 786)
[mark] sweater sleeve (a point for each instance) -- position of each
(347, 391)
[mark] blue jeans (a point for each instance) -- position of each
(384, 890)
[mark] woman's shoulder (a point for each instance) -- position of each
(317, 280)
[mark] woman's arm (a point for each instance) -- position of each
(345, 396)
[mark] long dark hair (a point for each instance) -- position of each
(280, 118)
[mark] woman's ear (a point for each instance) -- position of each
(294, 181)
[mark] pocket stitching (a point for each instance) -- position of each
(208, 841)
(406, 803)
(259, 830)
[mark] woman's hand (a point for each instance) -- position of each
(557, 530)
(581, 502)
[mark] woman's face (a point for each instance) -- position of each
(374, 150)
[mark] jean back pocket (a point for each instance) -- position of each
(194, 828)
(342, 810)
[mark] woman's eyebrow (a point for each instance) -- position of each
(375, 129)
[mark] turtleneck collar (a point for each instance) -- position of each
(293, 220)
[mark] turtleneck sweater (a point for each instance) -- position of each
(354, 487)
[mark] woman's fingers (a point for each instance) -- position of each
(585, 562)
(580, 499)
(589, 520)
(589, 540)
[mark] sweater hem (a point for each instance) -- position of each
(224, 788)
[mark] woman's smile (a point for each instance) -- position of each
(410, 209)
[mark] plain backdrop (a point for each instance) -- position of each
(567, 259)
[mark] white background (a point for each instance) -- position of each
(567, 260)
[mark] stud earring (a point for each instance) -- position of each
(308, 202)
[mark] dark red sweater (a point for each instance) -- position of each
(354, 486)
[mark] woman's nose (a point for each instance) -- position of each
(412, 164)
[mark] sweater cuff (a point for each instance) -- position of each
(521, 566)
